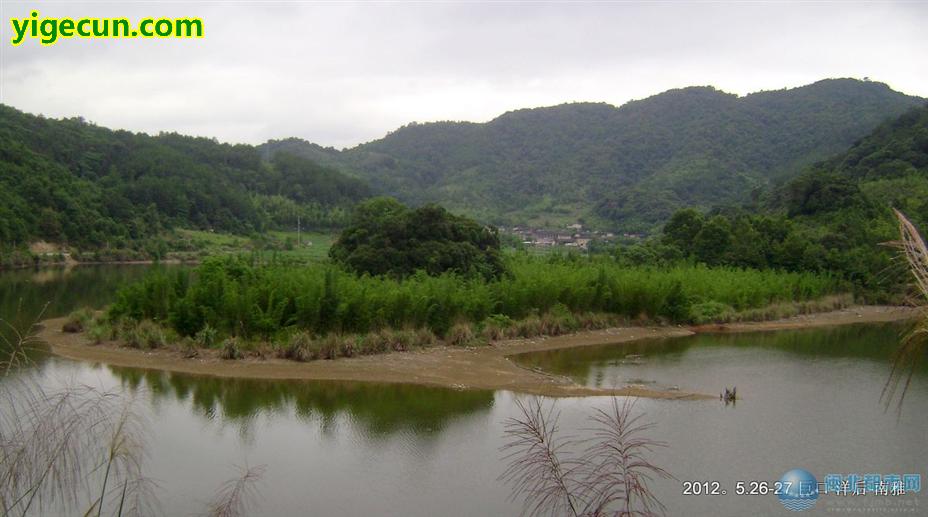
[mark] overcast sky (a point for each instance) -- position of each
(341, 74)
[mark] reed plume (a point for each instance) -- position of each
(915, 342)
(235, 496)
(75, 446)
(611, 475)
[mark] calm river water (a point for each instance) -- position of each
(809, 399)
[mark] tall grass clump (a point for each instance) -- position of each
(98, 332)
(239, 297)
(461, 334)
(206, 337)
(496, 327)
(78, 321)
(143, 334)
(914, 345)
(300, 347)
(231, 349)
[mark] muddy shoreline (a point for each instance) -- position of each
(487, 367)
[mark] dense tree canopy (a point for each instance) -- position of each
(71, 181)
(387, 238)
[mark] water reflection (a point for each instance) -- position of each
(647, 362)
(64, 289)
(25, 293)
(377, 409)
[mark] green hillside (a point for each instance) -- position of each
(628, 167)
(889, 167)
(70, 181)
(836, 216)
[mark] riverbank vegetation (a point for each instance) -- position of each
(737, 238)
(237, 304)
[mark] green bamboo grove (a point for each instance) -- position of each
(238, 297)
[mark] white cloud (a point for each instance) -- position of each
(342, 74)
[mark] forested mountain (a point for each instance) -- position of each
(71, 181)
(632, 165)
(844, 204)
(889, 167)
(836, 216)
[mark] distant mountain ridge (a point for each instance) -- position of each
(629, 167)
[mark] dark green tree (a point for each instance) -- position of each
(683, 227)
(387, 238)
(711, 245)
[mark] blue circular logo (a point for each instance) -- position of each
(798, 490)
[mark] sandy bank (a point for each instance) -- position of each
(851, 315)
(486, 367)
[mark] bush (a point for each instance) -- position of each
(299, 348)
(594, 321)
(373, 343)
(143, 334)
(206, 337)
(151, 334)
(230, 349)
(676, 303)
(423, 338)
(189, 348)
(348, 346)
(708, 312)
(557, 321)
(100, 331)
(78, 320)
(496, 327)
(461, 334)
(329, 347)
(529, 327)
(72, 327)
(401, 340)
